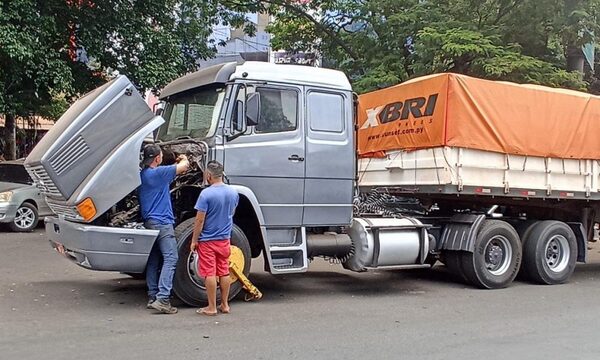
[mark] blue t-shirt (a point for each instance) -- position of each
(155, 200)
(218, 202)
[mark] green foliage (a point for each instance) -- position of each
(516, 40)
(150, 41)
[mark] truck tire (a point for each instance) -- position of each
(26, 218)
(523, 229)
(187, 285)
(549, 253)
(453, 262)
(496, 258)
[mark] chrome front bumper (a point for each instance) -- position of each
(99, 247)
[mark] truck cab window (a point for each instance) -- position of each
(279, 110)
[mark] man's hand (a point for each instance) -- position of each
(182, 164)
(198, 225)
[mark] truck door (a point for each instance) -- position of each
(269, 157)
(330, 158)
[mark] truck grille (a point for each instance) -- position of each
(43, 181)
(69, 155)
(69, 212)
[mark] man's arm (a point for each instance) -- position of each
(198, 225)
(182, 164)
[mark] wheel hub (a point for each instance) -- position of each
(498, 255)
(557, 253)
(495, 255)
(236, 257)
(24, 218)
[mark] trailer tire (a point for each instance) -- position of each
(523, 229)
(495, 260)
(187, 285)
(549, 253)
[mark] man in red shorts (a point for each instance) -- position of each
(212, 232)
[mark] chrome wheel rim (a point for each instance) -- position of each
(557, 253)
(192, 269)
(24, 218)
(498, 254)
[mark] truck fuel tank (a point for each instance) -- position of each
(381, 242)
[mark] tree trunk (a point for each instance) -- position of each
(10, 151)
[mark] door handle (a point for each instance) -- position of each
(295, 158)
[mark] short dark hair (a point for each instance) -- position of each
(215, 168)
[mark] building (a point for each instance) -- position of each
(235, 45)
(28, 132)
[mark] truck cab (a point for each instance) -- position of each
(284, 133)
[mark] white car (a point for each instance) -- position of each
(21, 203)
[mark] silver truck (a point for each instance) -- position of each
(286, 135)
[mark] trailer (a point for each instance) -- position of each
(524, 157)
(490, 178)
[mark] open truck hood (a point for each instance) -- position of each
(93, 149)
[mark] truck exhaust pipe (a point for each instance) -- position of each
(332, 245)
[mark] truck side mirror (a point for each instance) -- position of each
(239, 125)
(252, 109)
(157, 109)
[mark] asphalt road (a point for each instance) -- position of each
(52, 309)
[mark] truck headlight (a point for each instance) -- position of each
(5, 196)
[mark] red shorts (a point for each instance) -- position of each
(214, 257)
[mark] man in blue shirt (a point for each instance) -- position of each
(157, 213)
(211, 237)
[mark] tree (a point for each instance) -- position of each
(52, 51)
(389, 41)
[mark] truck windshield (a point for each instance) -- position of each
(194, 114)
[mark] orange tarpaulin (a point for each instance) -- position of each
(461, 111)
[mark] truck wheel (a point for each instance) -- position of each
(188, 285)
(550, 253)
(495, 261)
(452, 259)
(26, 218)
(523, 229)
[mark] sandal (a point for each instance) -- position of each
(203, 311)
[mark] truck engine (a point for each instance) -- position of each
(184, 189)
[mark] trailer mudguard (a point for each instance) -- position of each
(581, 237)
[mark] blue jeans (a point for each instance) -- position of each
(160, 279)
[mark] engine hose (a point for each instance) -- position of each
(384, 204)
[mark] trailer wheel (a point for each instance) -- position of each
(523, 229)
(550, 253)
(188, 285)
(496, 258)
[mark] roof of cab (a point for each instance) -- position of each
(259, 71)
